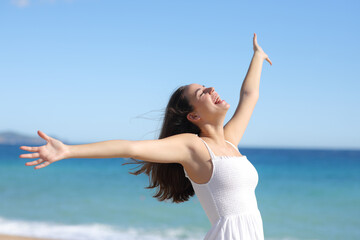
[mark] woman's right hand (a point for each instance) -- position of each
(259, 50)
(53, 151)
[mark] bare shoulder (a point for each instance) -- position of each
(198, 151)
(193, 142)
(186, 139)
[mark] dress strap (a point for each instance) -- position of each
(232, 145)
(212, 155)
(186, 175)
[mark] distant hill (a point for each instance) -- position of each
(14, 138)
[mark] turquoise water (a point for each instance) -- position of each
(301, 194)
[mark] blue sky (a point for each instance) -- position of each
(91, 70)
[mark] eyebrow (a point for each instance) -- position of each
(198, 90)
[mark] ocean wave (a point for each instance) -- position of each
(93, 231)
(290, 238)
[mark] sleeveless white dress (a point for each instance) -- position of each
(229, 200)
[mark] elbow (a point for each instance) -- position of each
(131, 150)
(250, 95)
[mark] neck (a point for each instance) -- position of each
(213, 132)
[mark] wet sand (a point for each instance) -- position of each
(8, 237)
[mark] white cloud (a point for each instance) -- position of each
(21, 3)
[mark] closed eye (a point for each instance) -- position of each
(203, 91)
(199, 90)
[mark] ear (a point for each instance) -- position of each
(192, 117)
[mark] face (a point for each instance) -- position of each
(206, 101)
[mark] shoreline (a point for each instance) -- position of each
(11, 237)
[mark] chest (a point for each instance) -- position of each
(234, 172)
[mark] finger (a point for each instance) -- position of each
(255, 38)
(30, 149)
(267, 59)
(42, 165)
(30, 155)
(34, 162)
(43, 135)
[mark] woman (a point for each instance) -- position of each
(194, 153)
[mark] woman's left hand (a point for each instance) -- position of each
(258, 50)
(53, 151)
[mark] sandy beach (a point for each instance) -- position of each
(7, 237)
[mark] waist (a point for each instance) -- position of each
(244, 215)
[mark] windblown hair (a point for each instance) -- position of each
(169, 178)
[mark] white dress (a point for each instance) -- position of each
(228, 199)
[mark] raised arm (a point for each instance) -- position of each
(174, 149)
(249, 94)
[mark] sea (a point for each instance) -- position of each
(302, 194)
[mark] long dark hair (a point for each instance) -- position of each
(169, 178)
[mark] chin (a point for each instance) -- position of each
(223, 107)
(227, 106)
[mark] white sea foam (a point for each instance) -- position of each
(92, 231)
(290, 238)
(98, 232)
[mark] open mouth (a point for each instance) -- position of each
(217, 99)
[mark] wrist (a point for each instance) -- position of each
(68, 151)
(260, 54)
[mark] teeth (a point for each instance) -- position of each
(217, 100)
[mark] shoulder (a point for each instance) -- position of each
(191, 139)
(188, 139)
(193, 143)
(197, 149)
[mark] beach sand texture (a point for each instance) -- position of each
(8, 237)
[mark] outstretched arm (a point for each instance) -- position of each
(249, 94)
(174, 149)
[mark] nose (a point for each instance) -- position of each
(210, 90)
